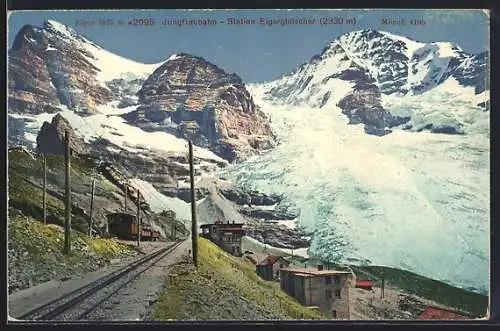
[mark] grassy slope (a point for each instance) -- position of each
(35, 249)
(25, 186)
(427, 288)
(36, 252)
(225, 287)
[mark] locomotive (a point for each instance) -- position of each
(124, 226)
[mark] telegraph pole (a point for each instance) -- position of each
(126, 193)
(194, 227)
(138, 218)
(44, 189)
(67, 223)
(382, 288)
(91, 207)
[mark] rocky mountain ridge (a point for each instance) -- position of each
(357, 69)
(198, 101)
(53, 68)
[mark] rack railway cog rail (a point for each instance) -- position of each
(78, 304)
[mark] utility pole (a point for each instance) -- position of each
(126, 193)
(44, 189)
(194, 227)
(91, 207)
(382, 288)
(138, 218)
(67, 223)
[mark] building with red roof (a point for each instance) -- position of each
(225, 235)
(269, 268)
(437, 313)
(365, 284)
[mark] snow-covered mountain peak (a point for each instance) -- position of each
(60, 28)
(396, 65)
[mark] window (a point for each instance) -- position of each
(334, 313)
(328, 280)
(337, 293)
(328, 294)
(337, 280)
(281, 266)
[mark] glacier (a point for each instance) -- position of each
(415, 201)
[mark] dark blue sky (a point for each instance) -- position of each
(257, 53)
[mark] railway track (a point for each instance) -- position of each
(80, 303)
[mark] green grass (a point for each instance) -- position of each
(26, 192)
(36, 252)
(227, 273)
(434, 290)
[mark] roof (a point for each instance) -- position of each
(123, 213)
(251, 259)
(436, 313)
(232, 229)
(313, 272)
(269, 260)
(364, 283)
(223, 225)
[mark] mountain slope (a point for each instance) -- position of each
(386, 199)
(358, 69)
(53, 69)
(53, 65)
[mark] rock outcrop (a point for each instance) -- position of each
(363, 105)
(276, 235)
(51, 138)
(50, 67)
(373, 63)
(196, 100)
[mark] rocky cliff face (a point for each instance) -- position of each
(363, 105)
(51, 138)
(50, 67)
(196, 100)
(367, 64)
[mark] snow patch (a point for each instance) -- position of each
(173, 57)
(113, 66)
(159, 202)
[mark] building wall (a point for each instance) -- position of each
(228, 241)
(232, 243)
(313, 290)
(265, 272)
(277, 267)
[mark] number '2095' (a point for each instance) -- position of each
(143, 21)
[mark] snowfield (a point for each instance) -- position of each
(417, 201)
(116, 130)
(158, 202)
(111, 66)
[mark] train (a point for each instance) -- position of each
(146, 233)
(124, 226)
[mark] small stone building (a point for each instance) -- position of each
(326, 289)
(225, 235)
(269, 268)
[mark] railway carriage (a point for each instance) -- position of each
(124, 226)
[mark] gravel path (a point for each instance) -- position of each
(134, 301)
(129, 300)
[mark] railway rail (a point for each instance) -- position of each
(80, 303)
